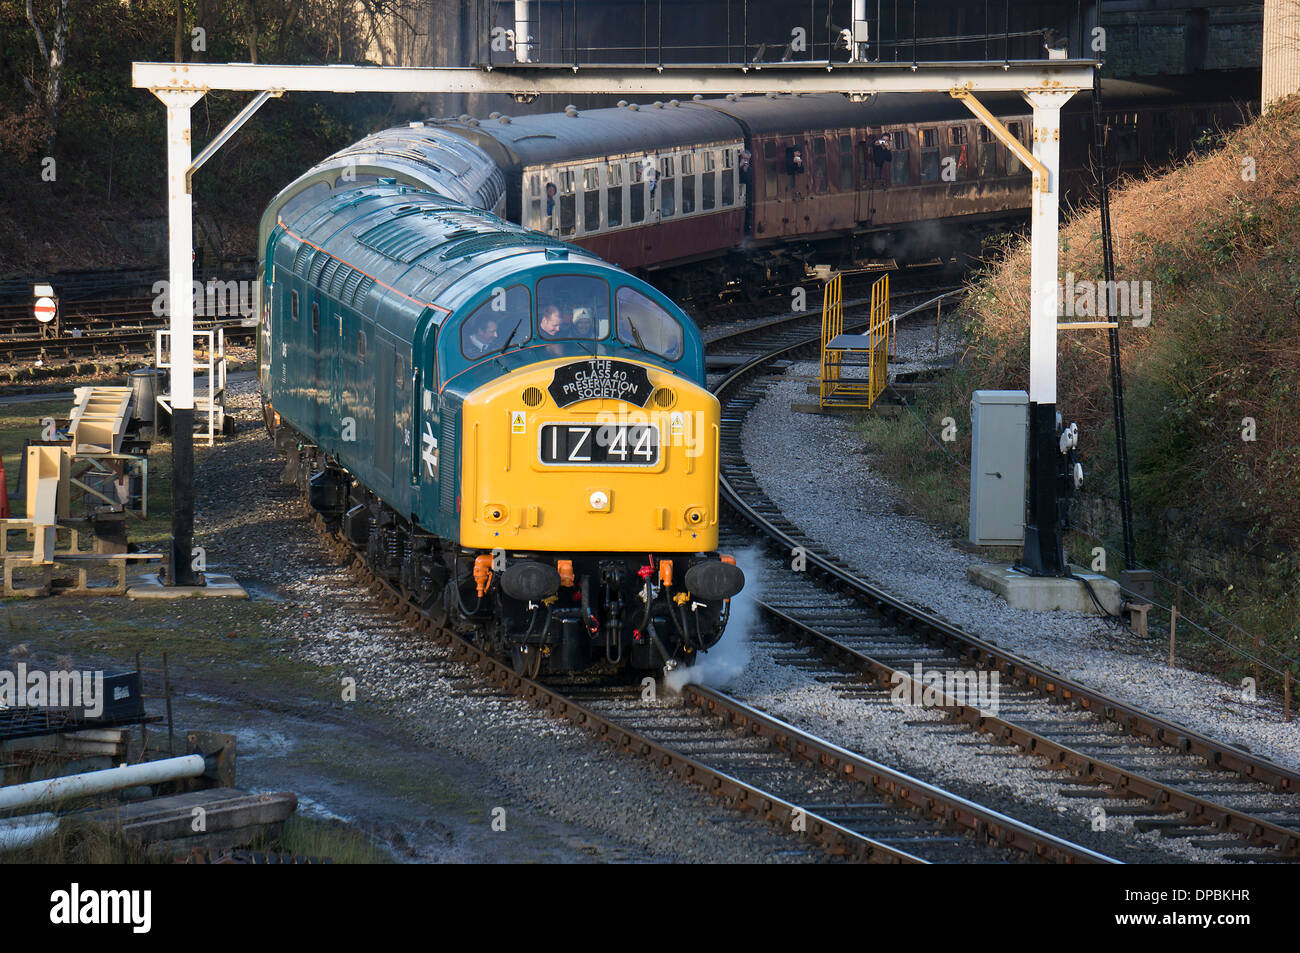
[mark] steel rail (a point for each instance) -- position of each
(919, 623)
(983, 824)
(1124, 782)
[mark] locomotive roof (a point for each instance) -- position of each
(408, 248)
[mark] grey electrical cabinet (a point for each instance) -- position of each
(999, 435)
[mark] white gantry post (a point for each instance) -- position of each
(180, 309)
(1044, 550)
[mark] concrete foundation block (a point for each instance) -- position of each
(1048, 593)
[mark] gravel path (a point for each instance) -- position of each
(825, 483)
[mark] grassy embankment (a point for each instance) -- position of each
(1218, 238)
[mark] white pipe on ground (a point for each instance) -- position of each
(25, 831)
(53, 790)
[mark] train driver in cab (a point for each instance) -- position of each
(484, 336)
(551, 324)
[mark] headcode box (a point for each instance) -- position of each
(999, 435)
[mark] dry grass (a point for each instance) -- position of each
(1222, 253)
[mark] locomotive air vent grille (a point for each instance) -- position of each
(326, 277)
(340, 279)
(478, 243)
(398, 240)
(533, 397)
(301, 258)
(317, 266)
(664, 397)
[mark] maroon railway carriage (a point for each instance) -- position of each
(749, 192)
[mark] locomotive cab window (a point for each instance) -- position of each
(644, 325)
(572, 307)
(506, 316)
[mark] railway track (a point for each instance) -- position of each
(863, 642)
(845, 804)
(104, 327)
(828, 797)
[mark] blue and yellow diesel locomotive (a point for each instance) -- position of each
(515, 430)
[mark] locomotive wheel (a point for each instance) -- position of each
(526, 660)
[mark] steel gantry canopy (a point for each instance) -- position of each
(1045, 84)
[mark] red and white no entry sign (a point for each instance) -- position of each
(45, 310)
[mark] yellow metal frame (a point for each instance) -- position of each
(836, 389)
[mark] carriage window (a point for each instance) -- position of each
(929, 155)
(728, 178)
(535, 219)
(590, 199)
(572, 307)
(506, 316)
(567, 202)
(667, 188)
(821, 180)
(688, 184)
(315, 318)
(901, 159)
(770, 170)
(709, 182)
(646, 326)
(957, 135)
(293, 304)
(846, 163)
(985, 133)
(614, 195)
(1013, 164)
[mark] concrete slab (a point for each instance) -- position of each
(219, 585)
(1048, 593)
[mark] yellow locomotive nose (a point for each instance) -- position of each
(595, 475)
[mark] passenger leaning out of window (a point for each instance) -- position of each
(883, 159)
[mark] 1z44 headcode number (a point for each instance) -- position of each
(599, 445)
